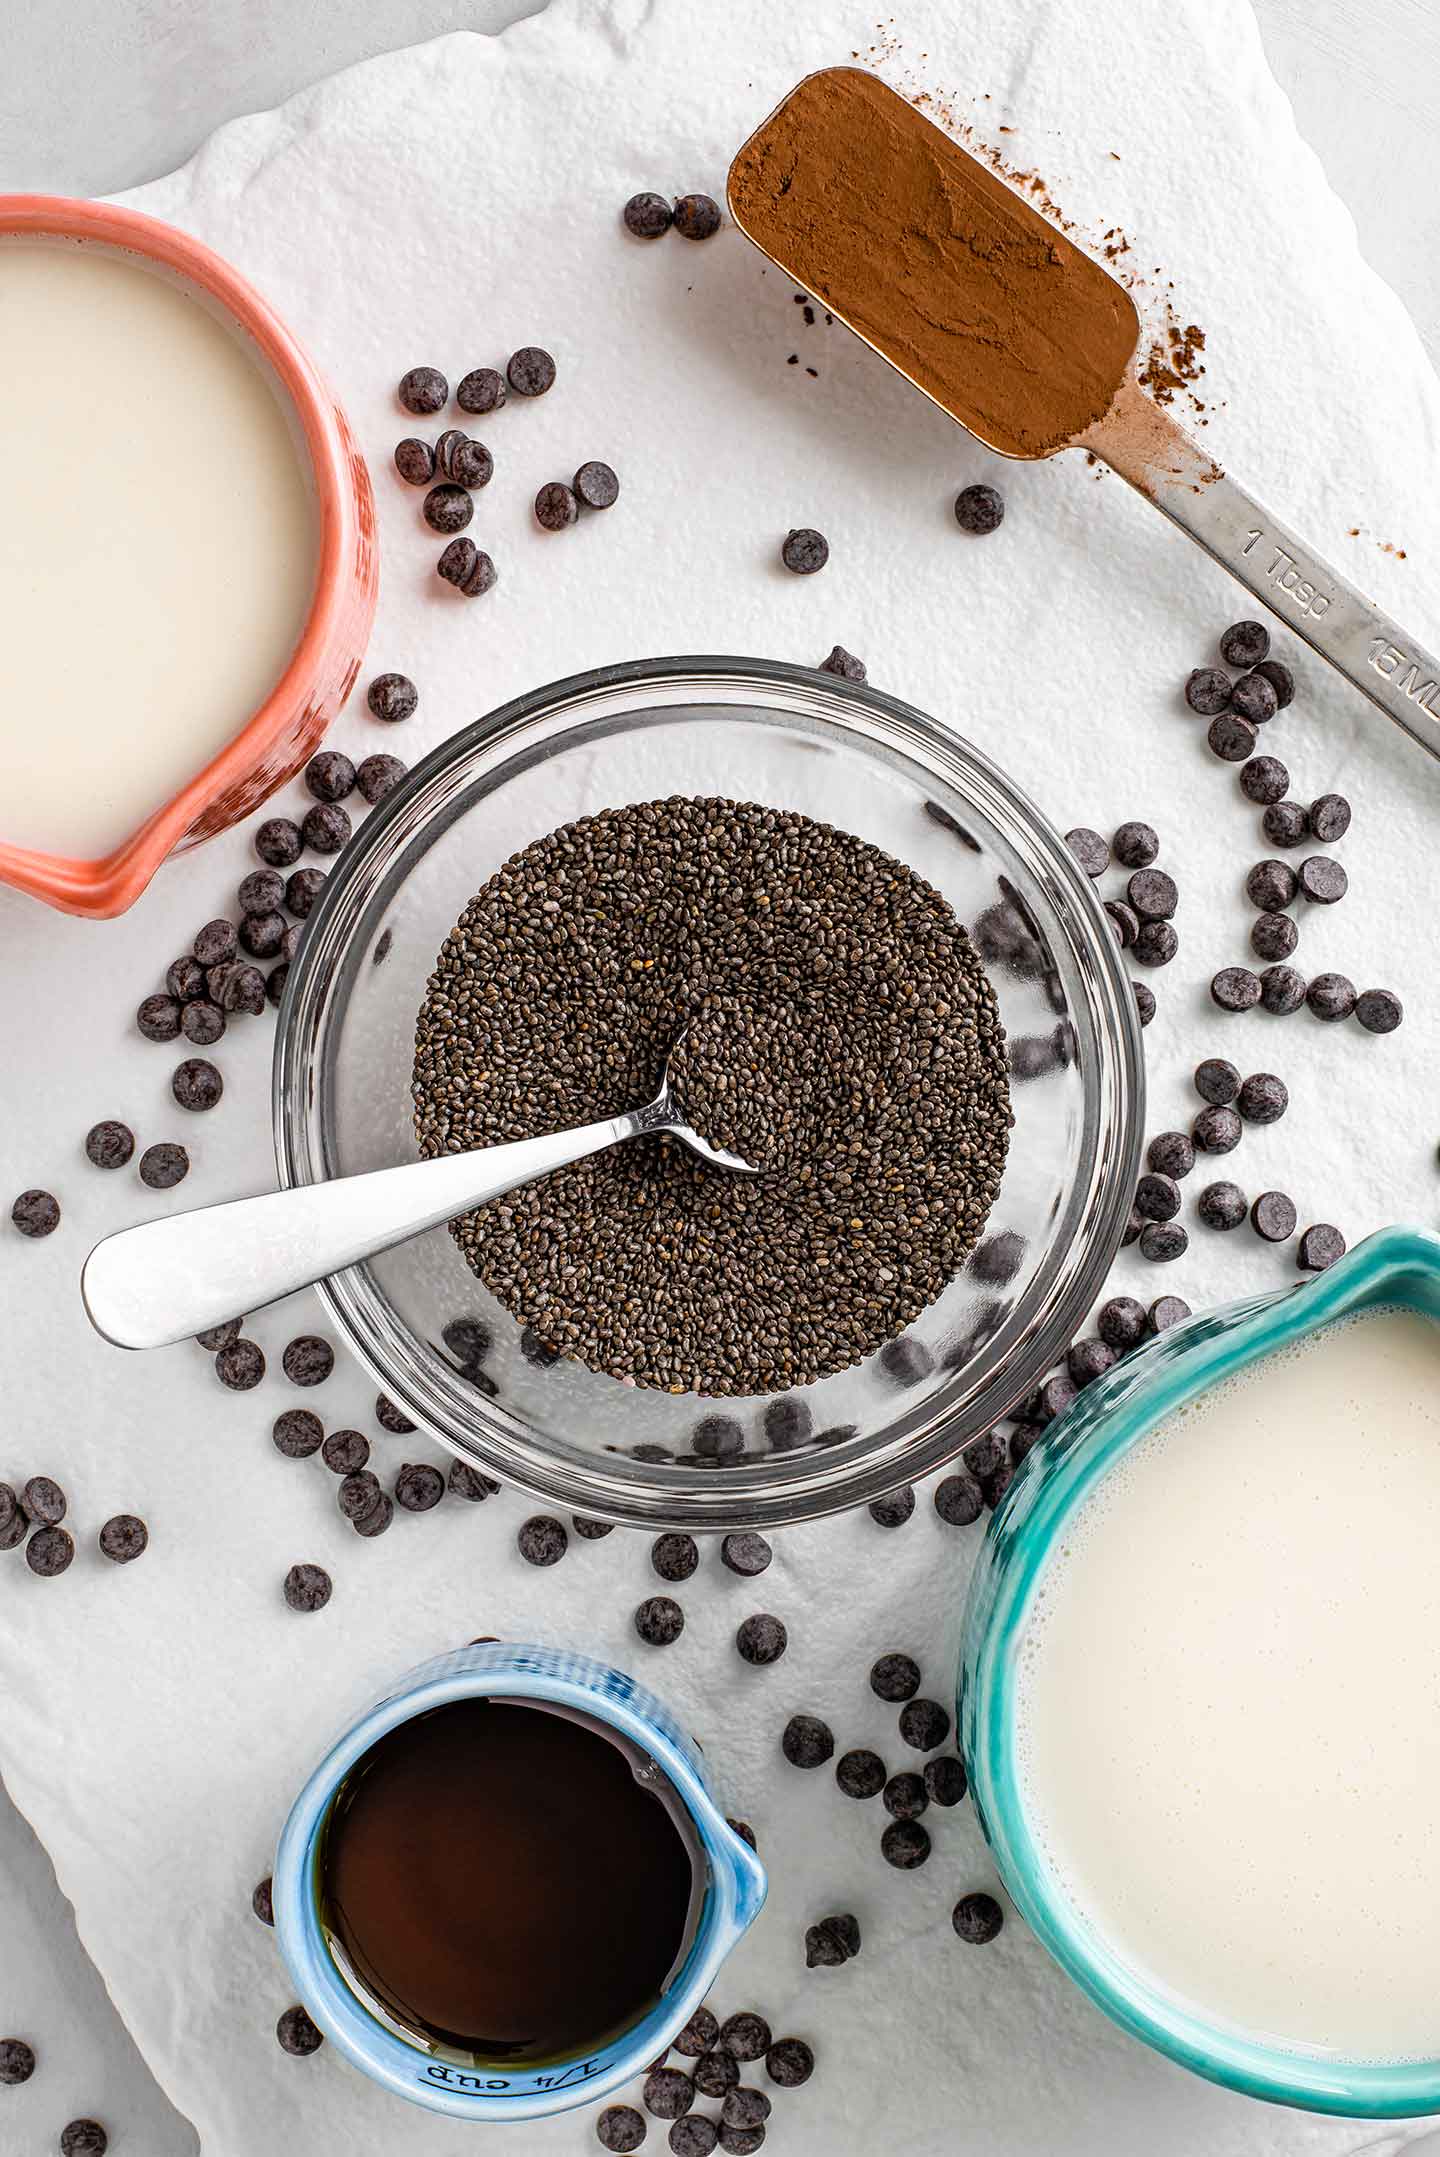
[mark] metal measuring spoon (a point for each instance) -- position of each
(169, 1280)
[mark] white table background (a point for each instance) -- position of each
(99, 95)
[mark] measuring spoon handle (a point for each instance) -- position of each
(1141, 442)
(170, 1279)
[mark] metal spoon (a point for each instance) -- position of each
(169, 1280)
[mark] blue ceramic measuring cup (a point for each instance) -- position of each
(733, 1888)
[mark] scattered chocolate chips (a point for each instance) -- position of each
(1285, 823)
(1319, 1247)
(196, 1084)
(659, 1621)
(979, 509)
(463, 1481)
(1253, 700)
(240, 1365)
(1282, 990)
(36, 1213)
(419, 1487)
(789, 2062)
(468, 568)
(806, 1741)
(1263, 1098)
(158, 1018)
(329, 777)
(697, 217)
(1221, 1205)
(297, 1434)
(464, 460)
(1245, 644)
(1135, 845)
(83, 2138)
(668, 2093)
(237, 986)
(1322, 881)
(894, 1509)
(297, 2034)
(1089, 849)
(326, 828)
(220, 1336)
(699, 2035)
(620, 2129)
(1157, 1198)
(1235, 988)
(482, 390)
(746, 1554)
(1264, 780)
(896, 1677)
(376, 777)
(944, 1779)
(1170, 1153)
(423, 390)
(744, 2108)
(345, 1452)
(1163, 1241)
(203, 1022)
(541, 1540)
(1273, 936)
(1273, 1217)
(358, 1494)
(43, 1502)
(745, 2036)
(1156, 944)
(1231, 737)
(844, 664)
(17, 2061)
(647, 216)
(124, 1537)
(1087, 1360)
(1379, 1011)
(415, 460)
(1331, 997)
(391, 697)
(860, 1774)
(1207, 691)
(216, 943)
(924, 1724)
(1124, 921)
(530, 371)
(378, 1519)
(555, 507)
(905, 1844)
(390, 1418)
(308, 1360)
(1216, 1129)
(1330, 818)
(49, 1551)
(447, 508)
(1281, 680)
(905, 1796)
(694, 2136)
(1120, 1323)
(828, 1944)
(307, 1588)
(804, 550)
(303, 889)
(977, 1919)
(674, 1557)
(277, 841)
(1271, 886)
(596, 485)
(1153, 894)
(1168, 1311)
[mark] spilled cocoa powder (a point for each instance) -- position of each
(935, 261)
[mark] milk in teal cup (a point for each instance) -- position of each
(390, 1836)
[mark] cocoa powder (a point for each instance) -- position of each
(936, 262)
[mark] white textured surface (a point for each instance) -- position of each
(451, 202)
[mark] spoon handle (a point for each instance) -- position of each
(1141, 442)
(170, 1279)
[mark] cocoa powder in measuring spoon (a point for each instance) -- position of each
(936, 262)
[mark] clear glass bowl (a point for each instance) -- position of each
(798, 740)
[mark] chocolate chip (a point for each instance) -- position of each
(237, 986)
(1273, 936)
(905, 1844)
(1089, 849)
(1245, 644)
(1124, 921)
(1221, 1205)
(464, 565)
(376, 777)
(297, 1434)
(745, 2108)
(415, 460)
(924, 1724)
(1157, 943)
(83, 2138)
(647, 216)
(158, 1018)
(530, 371)
(391, 697)
(694, 2136)
(329, 777)
(43, 1502)
(596, 485)
(423, 390)
(1216, 1130)
(1153, 894)
(1330, 818)
(1170, 1153)
(1157, 1198)
(1263, 1098)
(482, 390)
(308, 1360)
(697, 217)
(1285, 823)
(49, 1551)
(843, 663)
(1322, 881)
(555, 507)
(1162, 1241)
(359, 1493)
(1264, 779)
(745, 2036)
(896, 1677)
(659, 1621)
(377, 1520)
(278, 841)
(326, 828)
(1231, 737)
(621, 2129)
(860, 1774)
(109, 1144)
(1168, 1311)
(307, 1588)
(464, 460)
(1087, 1360)
(1271, 886)
(447, 508)
(668, 2093)
(805, 550)
(1379, 1011)
(1056, 1394)
(216, 943)
(390, 1418)
(1273, 1217)
(1282, 990)
(303, 889)
(979, 509)
(977, 1919)
(762, 1639)
(1135, 846)
(541, 1540)
(1281, 680)
(1331, 997)
(345, 1452)
(164, 1165)
(124, 1537)
(185, 977)
(463, 1481)
(958, 1500)
(828, 1944)
(297, 2034)
(1120, 1323)
(894, 1509)
(1253, 699)
(806, 1741)
(419, 1487)
(1319, 1247)
(17, 2061)
(944, 1779)
(1207, 691)
(789, 2062)
(747, 1554)
(1235, 988)
(1144, 1002)
(674, 1557)
(744, 2141)
(220, 1336)
(905, 1796)
(240, 1366)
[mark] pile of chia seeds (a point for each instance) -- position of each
(840, 1033)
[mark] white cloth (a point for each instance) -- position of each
(446, 204)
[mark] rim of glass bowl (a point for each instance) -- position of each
(794, 1486)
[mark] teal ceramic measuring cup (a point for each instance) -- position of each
(732, 1890)
(1397, 1267)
